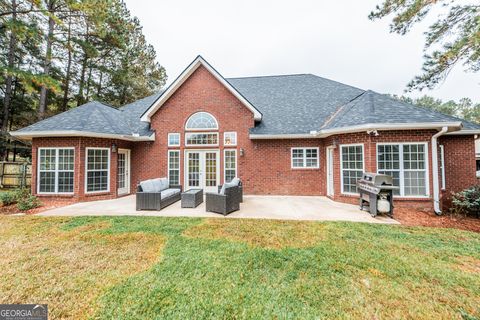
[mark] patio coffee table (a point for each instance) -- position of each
(192, 198)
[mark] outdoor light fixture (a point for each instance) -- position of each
(242, 152)
(335, 142)
(114, 148)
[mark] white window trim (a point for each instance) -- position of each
(86, 170)
(442, 161)
(201, 129)
(179, 165)
(201, 145)
(305, 158)
(224, 164)
(341, 165)
(401, 170)
(224, 137)
(56, 170)
(179, 139)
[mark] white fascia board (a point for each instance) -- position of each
(464, 132)
(199, 61)
(453, 126)
(73, 133)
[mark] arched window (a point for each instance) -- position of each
(201, 121)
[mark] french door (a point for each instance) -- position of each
(123, 171)
(202, 169)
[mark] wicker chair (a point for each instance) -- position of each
(223, 203)
(240, 191)
(154, 200)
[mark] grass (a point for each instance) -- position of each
(174, 268)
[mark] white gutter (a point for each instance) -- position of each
(436, 187)
(25, 135)
(457, 125)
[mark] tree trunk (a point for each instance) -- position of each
(48, 62)
(89, 79)
(66, 84)
(80, 99)
(11, 62)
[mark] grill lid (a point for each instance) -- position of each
(377, 179)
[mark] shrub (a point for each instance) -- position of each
(21, 193)
(8, 198)
(467, 201)
(28, 203)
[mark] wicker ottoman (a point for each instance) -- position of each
(192, 198)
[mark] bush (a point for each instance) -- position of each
(467, 201)
(28, 203)
(21, 193)
(8, 198)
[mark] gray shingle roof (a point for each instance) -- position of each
(294, 103)
(372, 107)
(91, 117)
(290, 104)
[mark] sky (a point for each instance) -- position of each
(332, 39)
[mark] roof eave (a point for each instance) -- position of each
(452, 126)
(464, 132)
(199, 61)
(29, 135)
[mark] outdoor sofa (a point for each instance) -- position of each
(227, 200)
(156, 194)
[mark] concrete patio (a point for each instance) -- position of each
(253, 207)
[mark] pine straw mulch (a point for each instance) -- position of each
(412, 217)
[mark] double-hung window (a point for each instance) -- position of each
(407, 164)
(351, 167)
(98, 169)
(304, 158)
(174, 167)
(230, 162)
(56, 170)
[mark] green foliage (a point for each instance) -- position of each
(451, 40)
(21, 193)
(467, 201)
(98, 52)
(7, 198)
(28, 202)
(464, 108)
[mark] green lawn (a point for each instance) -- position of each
(180, 268)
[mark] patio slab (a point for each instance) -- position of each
(253, 207)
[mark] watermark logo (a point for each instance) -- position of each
(23, 312)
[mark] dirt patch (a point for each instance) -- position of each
(12, 209)
(469, 264)
(412, 217)
(274, 234)
(68, 270)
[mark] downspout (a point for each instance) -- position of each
(436, 187)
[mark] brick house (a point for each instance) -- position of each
(282, 135)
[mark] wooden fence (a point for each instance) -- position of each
(15, 174)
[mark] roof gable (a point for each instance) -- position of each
(199, 61)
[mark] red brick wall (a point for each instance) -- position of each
(460, 166)
(80, 144)
(265, 166)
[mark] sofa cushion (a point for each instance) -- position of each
(147, 186)
(227, 185)
(165, 183)
(169, 192)
(235, 181)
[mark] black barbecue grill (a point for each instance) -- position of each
(376, 190)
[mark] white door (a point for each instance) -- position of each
(202, 170)
(330, 188)
(123, 178)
